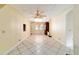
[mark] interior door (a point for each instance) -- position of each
(47, 28)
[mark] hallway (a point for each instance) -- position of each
(36, 29)
(39, 45)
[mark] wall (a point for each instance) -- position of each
(76, 29)
(72, 29)
(11, 28)
(69, 31)
(58, 28)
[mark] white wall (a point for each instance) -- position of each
(61, 29)
(69, 31)
(57, 27)
(11, 28)
(73, 29)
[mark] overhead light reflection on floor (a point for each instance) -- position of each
(38, 43)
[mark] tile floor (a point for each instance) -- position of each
(39, 45)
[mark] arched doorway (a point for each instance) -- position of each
(39, 24)
(40, 28)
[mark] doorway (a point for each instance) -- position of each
(47, 28)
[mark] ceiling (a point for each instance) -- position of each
(49, 9)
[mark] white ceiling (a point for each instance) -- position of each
(49, 9)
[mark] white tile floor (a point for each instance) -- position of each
(39, 45)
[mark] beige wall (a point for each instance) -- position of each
(11, 28)
(58, 26)
(76, 29)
